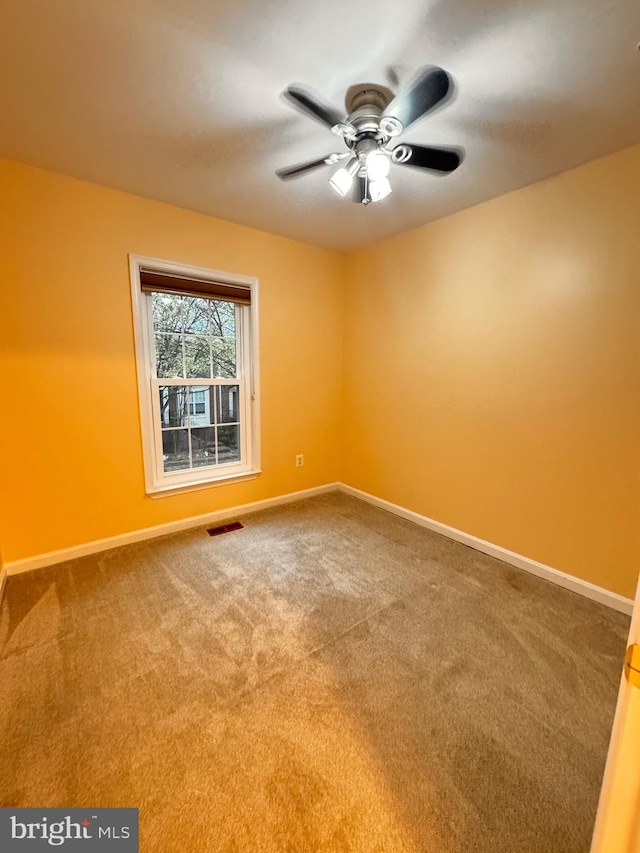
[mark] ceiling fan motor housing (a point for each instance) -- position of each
(365, 107)
(368, 98)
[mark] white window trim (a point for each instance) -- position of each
(158, 483)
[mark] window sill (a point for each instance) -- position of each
(167, 490)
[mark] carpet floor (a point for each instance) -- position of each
(329, 678)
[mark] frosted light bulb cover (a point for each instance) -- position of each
(378, 165)
(379, 189)
(342, 178)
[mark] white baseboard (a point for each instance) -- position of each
(3, 579)
(589, 590)
(53, 557)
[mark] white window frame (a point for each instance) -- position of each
(157, 481)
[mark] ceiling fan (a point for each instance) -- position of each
(375, 118)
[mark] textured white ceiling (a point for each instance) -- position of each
(179, 100)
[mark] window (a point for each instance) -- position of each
(197, 403)
(195, 349)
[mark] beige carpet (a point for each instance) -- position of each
(329, 678)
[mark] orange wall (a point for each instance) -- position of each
(491, 366)
(492, 371)
(71, 454)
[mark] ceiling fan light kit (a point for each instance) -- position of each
(374, 119)
(342, 179)
(379, 189)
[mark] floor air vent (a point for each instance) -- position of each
(224, 528)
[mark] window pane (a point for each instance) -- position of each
(175, 449)
(228, 443)
(201, 405)
(201, 341)
(196, 315)
(173, 405)
(168, 356)
(167, 312)
(203, 444)
(224, 357)
(197, 405)
(227, 400)
(223, 319)
(197, 357)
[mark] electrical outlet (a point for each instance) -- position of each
(299, 460)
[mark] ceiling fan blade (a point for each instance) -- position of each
(430, 86)
(309, 104)
(424, 157)
(303, 168)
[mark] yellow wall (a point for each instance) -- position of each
(492, 371)
(491, 365)
(71, 453)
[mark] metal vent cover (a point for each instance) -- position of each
(224, 528)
